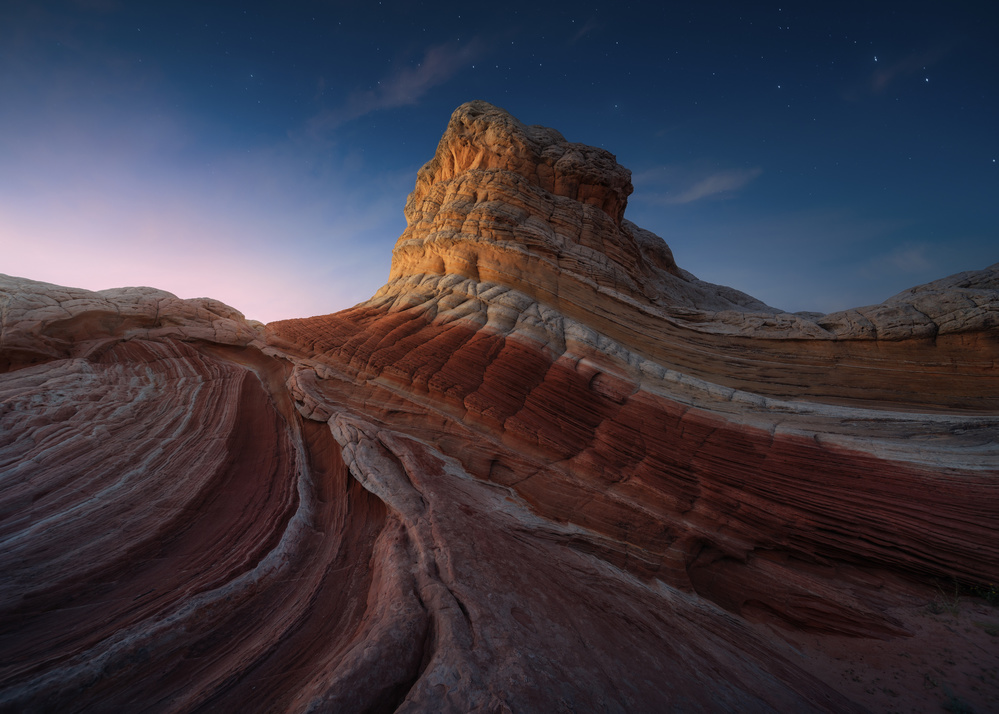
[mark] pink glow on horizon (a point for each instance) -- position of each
(251, 229)
(100, 245)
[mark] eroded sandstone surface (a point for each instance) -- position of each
(543, 469)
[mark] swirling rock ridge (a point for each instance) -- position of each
(543, 468)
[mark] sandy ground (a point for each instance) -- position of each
(949, 664)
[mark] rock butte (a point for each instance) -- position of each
(543, 469)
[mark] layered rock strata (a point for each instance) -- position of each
(542, 469)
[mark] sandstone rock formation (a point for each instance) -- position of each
(542, 469)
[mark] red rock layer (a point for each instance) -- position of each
(686, 490)
(157, 503)
(175, 539)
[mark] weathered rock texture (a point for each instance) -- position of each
(542, 469)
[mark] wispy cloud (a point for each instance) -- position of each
(888, 71)
(583, 31)
(404, 87)
(907, 259)
(676, 185)
(911, 259)
(816, 258)
(904, 67)
(717, 183)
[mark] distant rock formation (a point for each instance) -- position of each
(542, 469)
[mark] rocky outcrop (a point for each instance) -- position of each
(542, 469)
(512, 225)
(41, 322)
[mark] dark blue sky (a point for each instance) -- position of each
(816, 155)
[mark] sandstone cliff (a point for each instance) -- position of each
(542, 469)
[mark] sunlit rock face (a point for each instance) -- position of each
(542, 469)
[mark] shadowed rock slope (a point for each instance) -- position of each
(542, 469)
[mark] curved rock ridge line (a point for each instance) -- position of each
(40, 321)
(542, 469)
(622, 439)
(154, 499)
(591, 620)
(414, 337)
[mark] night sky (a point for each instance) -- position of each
(818, 156)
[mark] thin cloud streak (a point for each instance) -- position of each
(721, 182)
(908, 65)
(586, 29)
(907, 261)
(404, 87)
(814, 259)
(676, 185)
(888, 73)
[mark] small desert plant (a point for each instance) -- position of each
(989, 593)
(954, 704)
(948, 603)
(990, 628)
